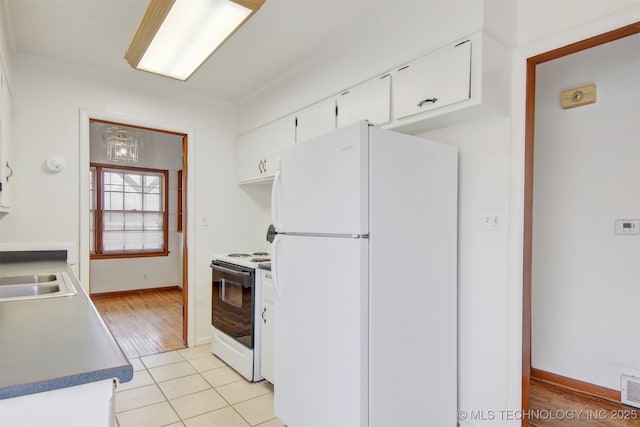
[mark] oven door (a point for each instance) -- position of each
(232, 299)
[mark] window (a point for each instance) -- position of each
(128, 211)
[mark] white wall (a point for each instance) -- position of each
(407, 30)
(586, 279)
(575, 23)
(542, 19)
(415, 28)
(158, 151)
(491, 161)
(482, 261)
(49, 98)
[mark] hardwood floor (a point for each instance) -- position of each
(556, 406)
(144, 322)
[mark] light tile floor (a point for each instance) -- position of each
(192, 388)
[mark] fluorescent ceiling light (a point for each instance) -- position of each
(175, 37)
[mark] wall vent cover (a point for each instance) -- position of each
(630, 390)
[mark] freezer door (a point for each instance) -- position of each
(322, 184)
(321, 335)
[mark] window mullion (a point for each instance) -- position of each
(99, 210)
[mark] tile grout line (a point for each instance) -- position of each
(181, 420)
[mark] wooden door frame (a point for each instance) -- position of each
(530, 104)
(185, 253)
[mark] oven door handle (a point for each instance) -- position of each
(230, 271)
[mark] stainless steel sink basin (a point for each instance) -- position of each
(33, 278)
(36, 286)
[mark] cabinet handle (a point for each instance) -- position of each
(264, 165)
(260, 166)
(10, 174)
(424, 101)
(264, 311)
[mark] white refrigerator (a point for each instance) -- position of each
(364, 265)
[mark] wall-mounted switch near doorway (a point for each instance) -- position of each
(491, 219)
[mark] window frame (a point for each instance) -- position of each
(98, 212)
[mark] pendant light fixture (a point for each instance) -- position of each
(123, 145)
(174, 37)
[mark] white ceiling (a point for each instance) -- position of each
(280, 36)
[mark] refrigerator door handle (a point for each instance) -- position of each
(274, 200)
(274, 265)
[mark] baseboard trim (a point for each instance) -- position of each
(134, 291)
(576, 385)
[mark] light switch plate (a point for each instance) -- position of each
(491, 219)
(578, 96)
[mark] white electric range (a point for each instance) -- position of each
(236, 293)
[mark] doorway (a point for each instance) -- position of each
(137, 234)
(530, 239)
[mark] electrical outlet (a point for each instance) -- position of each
(204, 221)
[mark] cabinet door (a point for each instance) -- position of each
(268, 307)
(436, 80)
(256, 150)
(248, 155)
(277, 135)
(5, 139)
(316, 120)
(370, 101)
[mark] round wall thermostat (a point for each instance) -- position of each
(577, 96)
(55, 163)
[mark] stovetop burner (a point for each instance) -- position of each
(239, 255)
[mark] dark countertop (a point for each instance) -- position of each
(52, 343)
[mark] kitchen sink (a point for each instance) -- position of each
(36, 286)
(34, 278)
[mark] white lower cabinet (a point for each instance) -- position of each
(268, 312)
(256, 150)
(90, 404)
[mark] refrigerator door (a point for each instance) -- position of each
(321, 337)
(321, 186)
(413, 282)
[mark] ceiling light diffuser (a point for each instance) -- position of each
(174, 37)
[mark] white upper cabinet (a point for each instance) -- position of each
(256, 150)
(5, 139)
(316, 120)
(467, 80)
(434, 81)
(370, 101)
